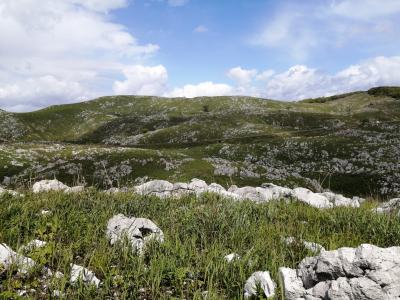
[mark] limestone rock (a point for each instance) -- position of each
(262, 279)
(8, 257)
(366, 272)
(81, 273)
(231, 257)
(48, 185)
(138, 231)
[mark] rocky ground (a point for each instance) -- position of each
(162, 240)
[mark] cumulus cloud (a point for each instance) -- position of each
(207, 88)
(300, 81)
(142, 80)
(71, 42)
(241, 76)
(365, 9)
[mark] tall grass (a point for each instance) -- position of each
(198, 234)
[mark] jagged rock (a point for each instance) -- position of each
(366, 272)
(138, 231)
(292, 284)
(8, 257)
(11, 192)
(159, 188)
(262, 279)
(231, 257)
(115, 190)
(389, 206)
(34, 244)
(267, 192)
(81, 273)
(313, 199)
(48, 185)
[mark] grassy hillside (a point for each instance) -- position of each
(198, 234)
(347, 143)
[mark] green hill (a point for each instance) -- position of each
(347, 143)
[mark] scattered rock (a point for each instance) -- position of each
(45, 212)
(267, 192)
(8, 257)
(48, 185)
(33, 245)
(389, 206)
(261, 279)
(11, 192)
(74, 189)
(81, 273)
(138, 231)
(231, 257)
(366, 272)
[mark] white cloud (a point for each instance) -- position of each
(71, 41)
(265, 75)
(200, 29)
(365, 9)
(142, 80)
(241, 76)
(177, 2)
(207, 88)
(301, 82)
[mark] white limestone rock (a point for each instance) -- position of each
(159, 188)
(49, 185)
(388, 206)
(313, 199)
(34, 244)
(74, 189)
(138, 231)
(262, 279)
(365, 272)
(292, 284)
(83, 274)
(231, 257)
(8, 257)
(10, 192)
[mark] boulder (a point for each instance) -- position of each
(34, 244)
(83, 274)
(340, 200)
(232, 257)
(389, 206)
(138, 231)
(8, 257)
(313, 199)
(366, 272)
(74, 189)
(311, 246)
(48, 185)
(261, 279)
(159, 188)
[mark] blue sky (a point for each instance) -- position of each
(62, 51)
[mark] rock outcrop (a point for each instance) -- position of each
(389, 206)
(267, 192)
(366, 272)
(261, 279)
(138, 231)
(54, 185)
(8, 257)
(83, 274)
(10, 192)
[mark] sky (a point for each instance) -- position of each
(63, 51)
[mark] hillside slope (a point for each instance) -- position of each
(347, 143)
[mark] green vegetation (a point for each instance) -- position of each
(198, 234)
(347, 143)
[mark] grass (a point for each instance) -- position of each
(198, 234)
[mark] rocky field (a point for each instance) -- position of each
(131, 197)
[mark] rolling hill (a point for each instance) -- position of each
(347, 143)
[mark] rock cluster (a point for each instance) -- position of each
(267, 192)
(389, 206)
(366, 272)
(138, 231)
(54, 185)
(261, 279)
